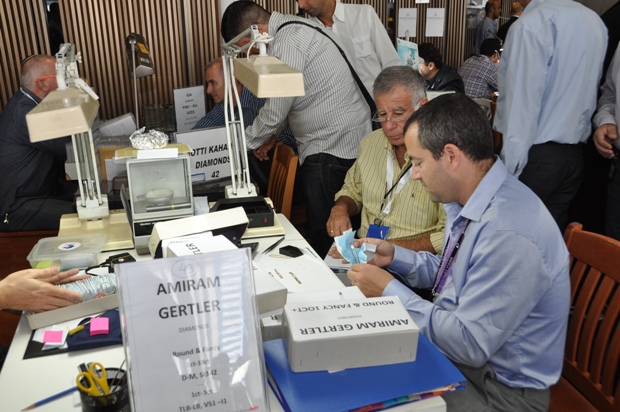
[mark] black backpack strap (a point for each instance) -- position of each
(369, 100)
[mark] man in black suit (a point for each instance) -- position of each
(515, 11)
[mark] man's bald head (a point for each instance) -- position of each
(516, 9)
(36, 67)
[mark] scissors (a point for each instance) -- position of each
(97, 385)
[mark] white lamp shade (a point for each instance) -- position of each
(267, 76)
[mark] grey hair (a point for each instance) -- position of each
(394, 76)
(35, 67)
(213, 63)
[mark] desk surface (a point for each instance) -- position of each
(23, 382)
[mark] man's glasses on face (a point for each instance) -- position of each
(398, 117)
(45, 77)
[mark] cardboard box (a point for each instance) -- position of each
(107, 153)
(345, 334)
(80, 310)
(270, 294)
(230, 223)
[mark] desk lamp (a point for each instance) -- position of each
(265, 76)
(71, 110)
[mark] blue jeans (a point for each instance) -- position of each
(321, 177)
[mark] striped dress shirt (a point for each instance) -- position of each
(412, 214)
(333, 116)
(250, 106)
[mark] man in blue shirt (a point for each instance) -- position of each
(501, 289)
(548, 77)
(260, 163)
(487, 29)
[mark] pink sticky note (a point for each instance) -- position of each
(52, 336)
(99, 326)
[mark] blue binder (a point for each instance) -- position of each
(355, 388)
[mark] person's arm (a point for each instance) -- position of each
(522, 80)
(348, 203)
(275, 111)
(418, 244)
(605, 118)
(35, 290)
(212, 119)
(488, 310)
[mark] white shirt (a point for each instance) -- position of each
(364, 39)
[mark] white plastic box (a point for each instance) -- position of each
(346, 334)
(68, 252)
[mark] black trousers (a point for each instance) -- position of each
(554, 172)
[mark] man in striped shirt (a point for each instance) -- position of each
(328, 122)
(260, 167)
(378, 185)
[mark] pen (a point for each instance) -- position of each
(51, 398)
(272, 247)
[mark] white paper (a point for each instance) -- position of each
(189, 107)
(408, 53)
(407, 20)
(422, 1)
(191, 333)
(209, 155)
(435, 22)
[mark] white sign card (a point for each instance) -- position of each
(407, 20)
(435, 22)
(191, 335)
(408, 53)
(422, 1)
(189, 107)
(209, 156)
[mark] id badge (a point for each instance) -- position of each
(378, 232)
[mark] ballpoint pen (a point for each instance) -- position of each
(272, 247)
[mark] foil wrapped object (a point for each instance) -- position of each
(153, 139)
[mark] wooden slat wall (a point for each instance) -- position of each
(99, 27)
(23, 31)
(421, 23)
(202, 25)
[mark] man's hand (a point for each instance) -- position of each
(603, 139)
(333, 252)
(261, 152)
(34, 290)
(338, 222)
(384, 254)
(370, 279)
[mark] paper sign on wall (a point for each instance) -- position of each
(189, 106)
(435, 22)
(407, 20)
(209, 156)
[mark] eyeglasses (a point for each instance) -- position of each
(380, 119)
(45, 77)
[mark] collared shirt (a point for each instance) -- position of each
(480, 77)
(482, 32)
(364, 39)
(28, 170)
(548, 77)
(333, 116)
(412, 213)
(609, 102)
(506, 300)
(250, 106)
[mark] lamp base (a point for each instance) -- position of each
(116, 227)
(246, 191)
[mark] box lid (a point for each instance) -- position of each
(51, 248)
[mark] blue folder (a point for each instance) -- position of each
(355, 388)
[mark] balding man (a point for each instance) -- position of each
(33, 190)
(487, 28)
(515, 11)
(260, 165)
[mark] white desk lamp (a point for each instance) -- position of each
(71, 110)
(265, 76)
